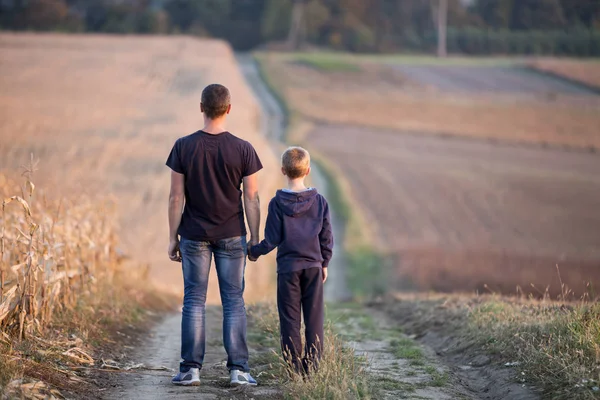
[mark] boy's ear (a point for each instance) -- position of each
(307, 171)
(201, 107)
(229, 109)
(283, 171)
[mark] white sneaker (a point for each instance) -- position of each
(189, 378)
(241, 378)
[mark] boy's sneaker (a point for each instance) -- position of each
(189, 378)
(241, 378)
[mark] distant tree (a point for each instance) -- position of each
(44, 14)
(496, 14)
(275, 21)
(213, 15)
(537, 15)
(582, 13)
(317, 17)
(149, 21)
(241, 27)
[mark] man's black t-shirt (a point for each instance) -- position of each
(213, 166)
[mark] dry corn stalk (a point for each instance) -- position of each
(49, 255)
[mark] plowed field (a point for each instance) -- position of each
(462, 214)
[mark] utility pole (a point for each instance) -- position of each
(442, 27)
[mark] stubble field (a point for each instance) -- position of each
(472, 175)
(101, 114)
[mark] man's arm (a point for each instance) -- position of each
(272, 234)
(252, 207)
(176, 202)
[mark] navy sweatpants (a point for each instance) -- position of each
(301, 292)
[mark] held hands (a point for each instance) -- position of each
(324, 269)
(174, 253)
(251, 243)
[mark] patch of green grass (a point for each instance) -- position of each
(390, 384)
(439, 379)
(417, 362)
(352, 322)
(407, 59)
(327, 64)
(430, 369)
(406, 349)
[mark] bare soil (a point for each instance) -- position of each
(582, 71)
(490, 79)
(473, 215)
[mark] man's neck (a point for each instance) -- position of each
(296, 185)
(214, 126)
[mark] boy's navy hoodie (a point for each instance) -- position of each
(299, 225)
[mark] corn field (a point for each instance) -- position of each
(51, 253)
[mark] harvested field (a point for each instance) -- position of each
(583, 71)
(489, 79)
(381, 96)
(102, 112)
(461, 214)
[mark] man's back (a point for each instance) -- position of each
(214, 166)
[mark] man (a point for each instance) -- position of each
(208, 169)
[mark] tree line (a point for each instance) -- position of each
(562, 27)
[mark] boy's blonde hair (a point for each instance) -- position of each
(295, 162)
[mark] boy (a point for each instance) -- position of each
(298, 224)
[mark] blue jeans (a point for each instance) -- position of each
(230, 262)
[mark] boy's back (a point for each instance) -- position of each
(298, 224)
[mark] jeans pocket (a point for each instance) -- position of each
(234, 243)
(192, 247)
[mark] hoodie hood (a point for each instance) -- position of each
(295, 204)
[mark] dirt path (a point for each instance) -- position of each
(162, 350)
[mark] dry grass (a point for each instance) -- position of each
(586, 72)
(551, 344)
(379, 97)
(341, 375)
(556, 344)
(63, 287)
(49, 253)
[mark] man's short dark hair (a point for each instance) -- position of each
(215, 100)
